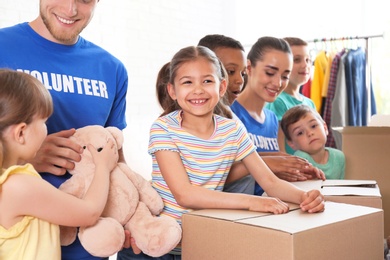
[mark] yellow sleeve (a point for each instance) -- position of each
(320, 65)
(327, 75)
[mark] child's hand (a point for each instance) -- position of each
(107, 157)
(268, 204)
(313, 201)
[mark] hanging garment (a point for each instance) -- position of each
(320, 65)
(330, 95)
(361, 101)
(355, 79)
(339, 115)
(305, 89)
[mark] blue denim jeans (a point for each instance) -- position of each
(128, 254)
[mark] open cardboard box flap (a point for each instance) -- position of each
(295, 221)
(341, 187)
(349, 183)
(298, 221)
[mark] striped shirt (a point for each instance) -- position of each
(207, 162)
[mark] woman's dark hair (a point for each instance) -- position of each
(265, 44)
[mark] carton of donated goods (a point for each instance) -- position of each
(342, 231)
(356, 192)
(367, 157)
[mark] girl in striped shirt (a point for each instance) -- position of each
(193, 149)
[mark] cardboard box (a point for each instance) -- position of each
(356, 192)
(342, 231)
(367, 154)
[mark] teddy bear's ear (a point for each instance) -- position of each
(117, 134)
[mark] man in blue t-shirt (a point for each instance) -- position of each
(88, 85)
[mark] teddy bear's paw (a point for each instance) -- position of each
(163, 242)
(155, 236)
(103, 239)
(153, 247)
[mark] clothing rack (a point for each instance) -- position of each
(346, 38)
(350, 38)
(366, 38)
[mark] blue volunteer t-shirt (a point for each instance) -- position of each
(263, 135)
(88, 86)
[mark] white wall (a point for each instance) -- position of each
(145, 34)
(310, 19)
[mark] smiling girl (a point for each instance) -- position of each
(193, 149)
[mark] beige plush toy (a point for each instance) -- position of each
(132, 204)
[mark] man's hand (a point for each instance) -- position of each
(57, 153)
(291, 168)
(130, 242)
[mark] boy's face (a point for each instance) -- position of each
(235, 64)
(308, 134)
(300, 73)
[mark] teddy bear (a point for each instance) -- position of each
(132, 204)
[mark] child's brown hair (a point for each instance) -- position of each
(188, 54)
(293, 115)
(22, 97)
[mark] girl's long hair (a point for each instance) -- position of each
(189, 54)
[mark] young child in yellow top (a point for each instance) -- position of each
(31, 209)
(306, 132)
